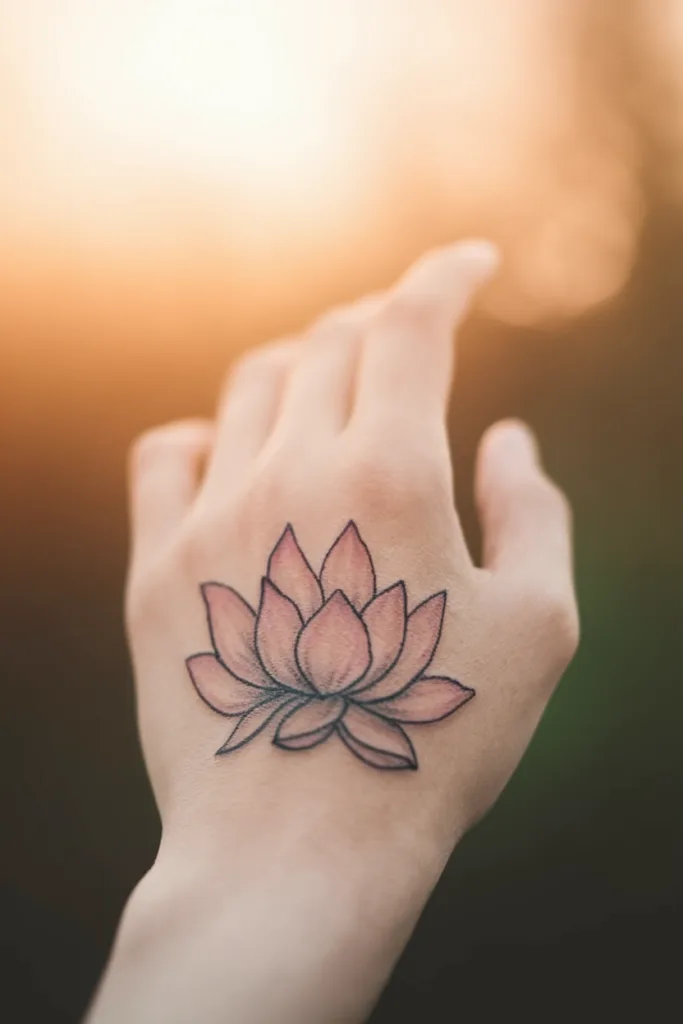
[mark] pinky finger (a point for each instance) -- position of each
(165, 466)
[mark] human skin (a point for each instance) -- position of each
(287, 882)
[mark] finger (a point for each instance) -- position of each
(406, 362)
(165, 466)
(318, 393)
(525, 517)
(247, 410)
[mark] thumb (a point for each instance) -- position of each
(526, 519)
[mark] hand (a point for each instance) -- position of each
(330, 692)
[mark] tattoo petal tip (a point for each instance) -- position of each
(364, 655)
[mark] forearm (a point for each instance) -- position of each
(302, 932)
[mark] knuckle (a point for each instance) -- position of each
(201, 538)
(244, 513)
(144, 592)
(394, 480)
(268, 487)
(556, 612)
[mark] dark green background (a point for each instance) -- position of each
(566, 899)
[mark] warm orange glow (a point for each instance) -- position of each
(231, 93)
(304, 151)
(661, 95)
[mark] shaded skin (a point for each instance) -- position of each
(287, 883)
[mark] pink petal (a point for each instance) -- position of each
(292, 575)
(423, 629)
(348, 567)
(333, 649)
(309, 724)
(385, 618)
(428, 700)
(277, 627)
(307, 742)
(251, 724)
(231, 623)
(375, 741)
(220, 689)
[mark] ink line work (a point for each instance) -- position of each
(325, 655)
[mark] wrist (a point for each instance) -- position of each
(303, 934)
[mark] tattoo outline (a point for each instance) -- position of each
(325, 654)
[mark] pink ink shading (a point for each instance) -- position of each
(278, 625)
(422, 633)
(289, 570)
(232, 627)
(333, 649)
(348, 567)
(307, 724)
(385, 619)
(325, 655)
(220, 689)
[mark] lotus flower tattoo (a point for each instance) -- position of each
(325, 655)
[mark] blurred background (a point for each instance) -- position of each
(180, 180)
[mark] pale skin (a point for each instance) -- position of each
(287, 884)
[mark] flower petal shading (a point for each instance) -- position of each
(428, 700)
(220, 689)
(307, 741)
(373, 758)
(333, 649)
(278, 624)
(348, 567)
(308, 724)
(423, 629)
(231, 624)
(377, 742)
(385, 619)
(254, 722)
(325, 655)
(291, 573)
